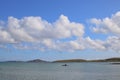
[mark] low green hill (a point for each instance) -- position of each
(71, 60)
(99, 60)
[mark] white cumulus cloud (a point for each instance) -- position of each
(113, 43)
(35, 30)
(62, 35)
(5, 37)
(95, 44)
(108, 24)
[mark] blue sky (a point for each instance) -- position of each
(59, 29)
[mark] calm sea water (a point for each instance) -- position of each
(54, 71)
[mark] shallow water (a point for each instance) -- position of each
(54, 71)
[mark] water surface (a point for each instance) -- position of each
(54, 71)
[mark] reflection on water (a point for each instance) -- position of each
(55, 71)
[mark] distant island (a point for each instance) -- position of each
(82, 60)
(71, 60)
(37, 60)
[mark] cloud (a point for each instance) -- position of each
(95, 44)
(31, 29)
(5, 37)
(113, 43)
(62, 35)
(45, 35)
(107, 25)
(71, 46)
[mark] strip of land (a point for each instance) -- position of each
(73, 60)
(83, 60)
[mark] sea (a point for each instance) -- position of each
(55, 71)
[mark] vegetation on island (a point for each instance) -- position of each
(37, 60)
(82, 60)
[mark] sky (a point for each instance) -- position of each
(59, 29)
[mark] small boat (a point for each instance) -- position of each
(65, 65)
